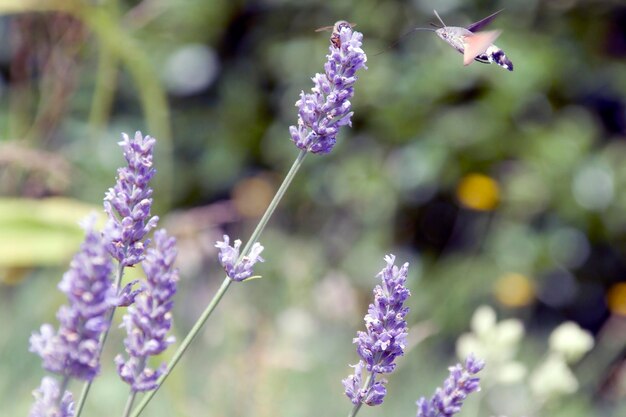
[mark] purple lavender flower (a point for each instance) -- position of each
(149, 319)
(385, 337)
(228, 256)
(48, 403)
(372, 394)
(73, 350)
(448, 400)
(128, 203)
(323, 111)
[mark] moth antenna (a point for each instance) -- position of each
(438, 17)
(435, 25)
(402, 37)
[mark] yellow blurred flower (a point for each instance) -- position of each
(251, 196)
(478, 192)
(514, 290)
(616, 299)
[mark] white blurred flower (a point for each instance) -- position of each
(483, 320)
(511, 372)
(571, 341)
(496, 343)
(552, 379)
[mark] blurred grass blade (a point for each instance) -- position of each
(116, 40)
(41, 232)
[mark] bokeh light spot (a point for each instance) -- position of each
(478, 192)
(569, 247)
(593, 186)
(559, 288)
(514, 290)
(616, 299)
(190, 69)
(251, 196)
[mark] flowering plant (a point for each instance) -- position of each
(94, 282)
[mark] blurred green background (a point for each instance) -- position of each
(500, 188)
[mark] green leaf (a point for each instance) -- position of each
(42, 232)
(252, 277)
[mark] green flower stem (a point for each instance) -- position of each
(129, 403)
(103, 338)
(368, 383)
(225, 284)
(133, 394)
(64, 383)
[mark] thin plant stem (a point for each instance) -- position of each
(64, 383)
(129, 403)
(195, 330)
(133, 393)
(368, 383)
(103, 338)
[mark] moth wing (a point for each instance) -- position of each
(483, 22)
(477, 43)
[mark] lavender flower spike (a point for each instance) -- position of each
(149, 319)
(48, 403)
(448, 400)
(323, 111)
(385, 337)
(73, 350)
(238, 271)
(128, 203)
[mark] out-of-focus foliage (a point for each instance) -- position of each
(39, 232)
(504, 188)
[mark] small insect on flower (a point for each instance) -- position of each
(335, 39)
(475, 46)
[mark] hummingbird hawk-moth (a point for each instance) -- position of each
(474, 45)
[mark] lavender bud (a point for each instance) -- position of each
(448, 400)
(149, 319)
(128, 203)
(353, 384)
(127, 294)
(74, 349)
(48, 403)
(323, 111)
(238, 271)
(376, 393)
(385, 337)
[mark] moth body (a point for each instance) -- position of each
(454, 36)
(474, 45)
